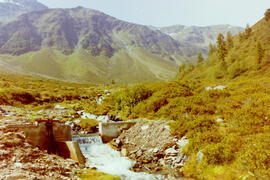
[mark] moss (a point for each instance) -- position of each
(93, 174)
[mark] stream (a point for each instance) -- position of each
(108, 160)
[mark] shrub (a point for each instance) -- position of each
(88, 124)
(161, 98)
(184, 69)
(127, 99)
(219, 153)
(255, 155)
(200, 130)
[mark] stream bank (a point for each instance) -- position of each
(154, 149)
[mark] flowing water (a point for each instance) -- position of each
(108, 160)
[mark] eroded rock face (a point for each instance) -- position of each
(153, 148)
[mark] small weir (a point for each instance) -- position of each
(85, 141)
(108, 160)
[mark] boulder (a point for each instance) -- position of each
(139, 153)
(59, 107)
(124, 152)
(220, 87)
(171, 152)
(182, 142)
(145, 127)
(18, 165)
(219, 120)
(77, 121)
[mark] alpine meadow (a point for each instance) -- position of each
(86, 95)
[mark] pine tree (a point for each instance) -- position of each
(212, 49)
(199, 58)
(267, 15)
(229, 40)
(259, 53)
(248, 31)
(221, 44)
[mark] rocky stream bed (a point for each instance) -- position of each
(145, 151)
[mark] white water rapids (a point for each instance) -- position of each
(108, 160)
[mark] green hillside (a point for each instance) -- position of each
(198, 38)
(122, 67)
(221, 105)
(88, 46)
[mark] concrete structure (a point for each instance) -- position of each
(109, 131)
(62, 143)
(38, 135)
(70, 149)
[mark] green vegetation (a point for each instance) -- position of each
(229, 41)
(93, 174)
(97, 49)
(18, 90)
(88, 124)
(259, 53)
(221, 45)
(199, 58)
(267, 15)
(230, 126)
(212, 49)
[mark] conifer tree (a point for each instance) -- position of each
(259, 53)
(221, 44)
(229, 40)
(267, 14)
(248, 31)
(199, 58)
(212, 49)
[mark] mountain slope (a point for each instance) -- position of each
(198, 37)
(10, 9)
(240, 60)
(221, 106)
(89, 46)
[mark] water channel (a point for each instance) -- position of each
(108, 160)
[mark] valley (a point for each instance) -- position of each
(87, 46)
(84, 95)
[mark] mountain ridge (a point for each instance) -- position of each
(80, 43)
(86, 45)
(11, 9)
(198, 37)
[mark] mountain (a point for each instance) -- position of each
(247, 56)
(85, 45)
(10, 9)
(198, 37)
(233, 83)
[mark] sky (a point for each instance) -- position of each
(170, 12)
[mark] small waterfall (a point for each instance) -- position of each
(108, 160)
(88, 140)
(85, 141)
